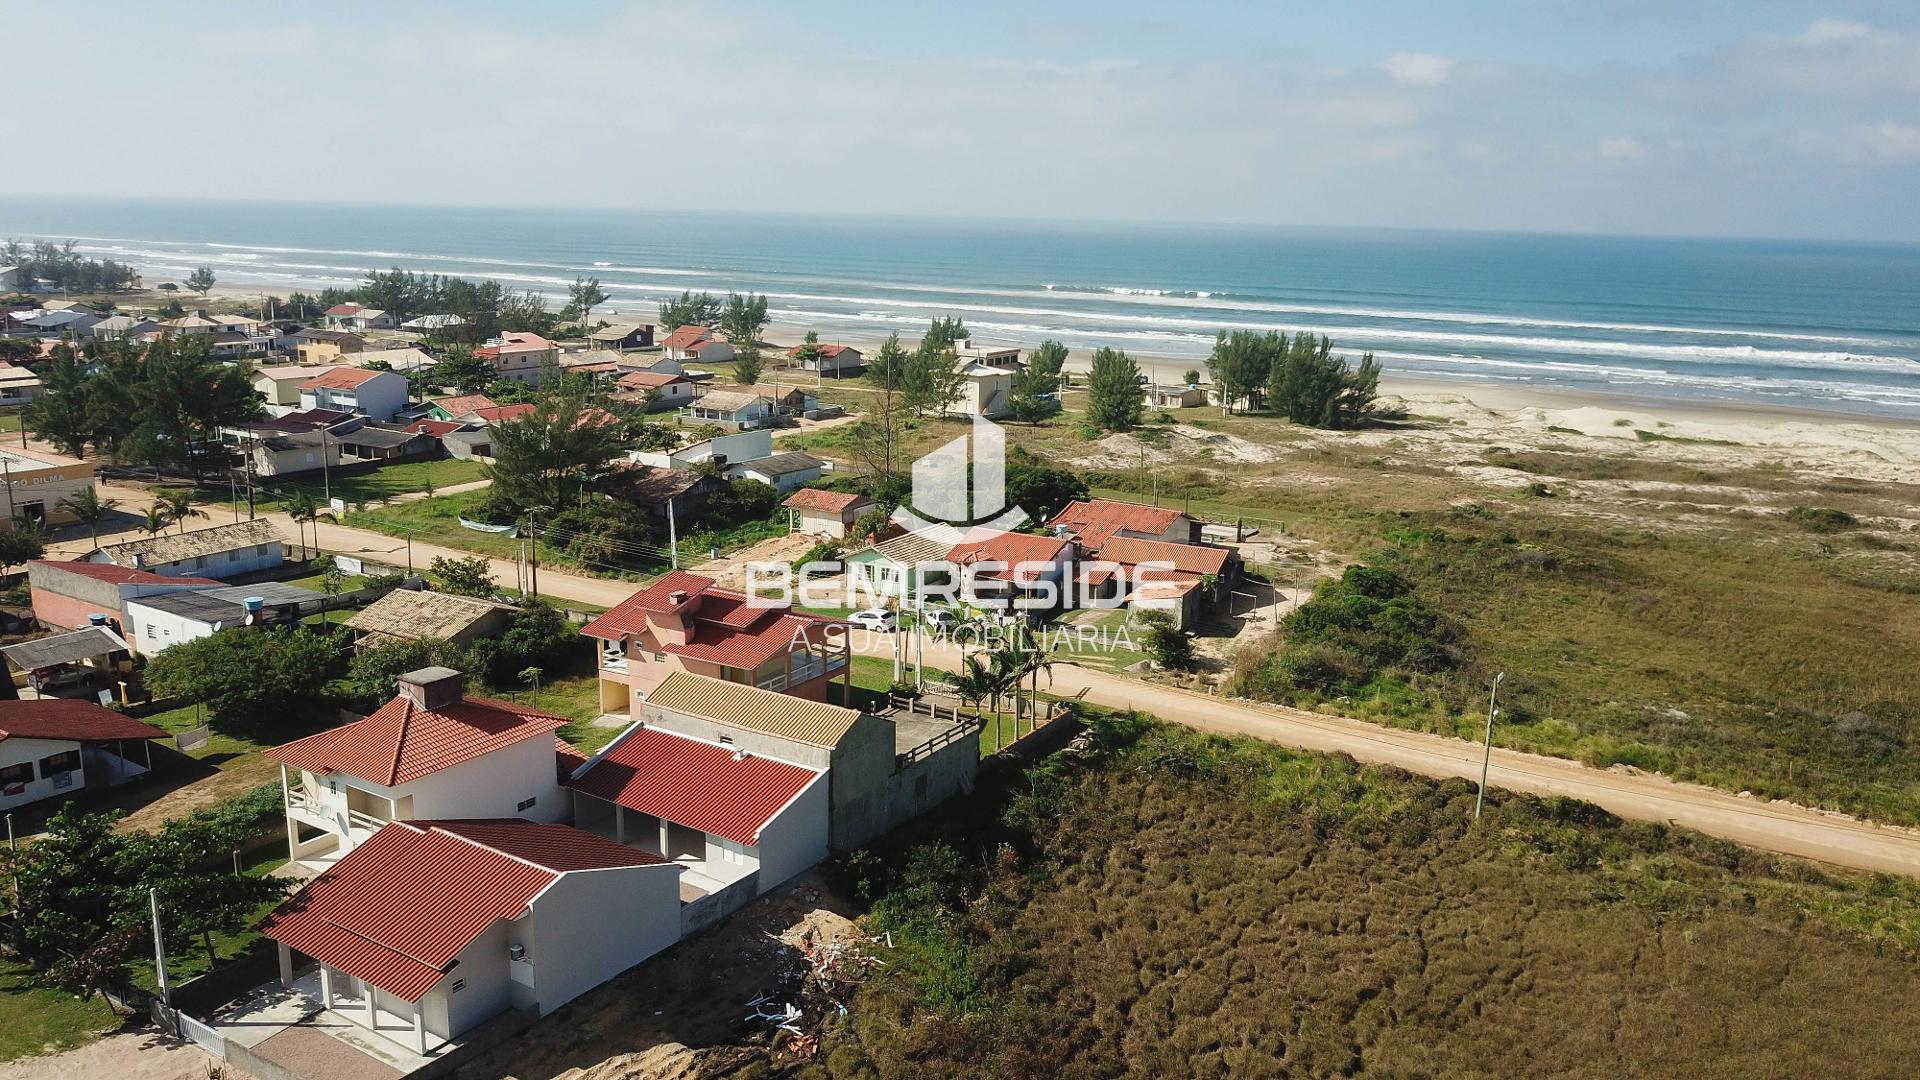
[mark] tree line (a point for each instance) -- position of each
(62, 267)
(158, 404)
(1298, 377)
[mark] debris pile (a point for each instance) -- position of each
(794, 1015)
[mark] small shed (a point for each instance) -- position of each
(409, 615)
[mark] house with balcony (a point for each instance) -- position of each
(430, 928)
(737, 823)
(518, 356)
(430, 753)
(683, 622)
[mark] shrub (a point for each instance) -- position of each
(1822, 519)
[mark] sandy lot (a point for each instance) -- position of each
(134, 1055)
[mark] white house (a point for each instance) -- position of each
(984, 391)
(432, 752)
(222, 551)
(356, 317)
(155, 623)
(696, 343)
(280, 384)
(658, 389)
(55, 747)
(826, 513)
(430, 928)
(722, 814)
(781, 472)
(377, 395)
(735, 446)
(732, 409)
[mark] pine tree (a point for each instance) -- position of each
(1114, 401)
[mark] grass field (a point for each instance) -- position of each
(36, 1020)
(387, 482)
(1177, 904)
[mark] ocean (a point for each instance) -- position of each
(1823, 325)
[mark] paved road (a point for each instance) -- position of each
(1791, 830)
(1812, 834)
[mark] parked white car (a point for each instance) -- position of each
(874, 618)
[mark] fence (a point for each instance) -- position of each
(171, 1019)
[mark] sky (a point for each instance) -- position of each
(1687, 117)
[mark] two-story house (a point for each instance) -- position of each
(518, 356)
(374, 394)
(682, 622)
(432, 752)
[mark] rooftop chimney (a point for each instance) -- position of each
(432, 687)
(677, 597)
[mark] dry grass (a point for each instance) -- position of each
(1192, 906)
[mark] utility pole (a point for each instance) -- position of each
(1486, 756)
(533, 545)
(673, 541)
(159, 949)
(326, 474)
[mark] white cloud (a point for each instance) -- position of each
(1832, 31)
(1623, 148)
(1417, 68)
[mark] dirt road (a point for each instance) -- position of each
(1792, 830)
(1771, 826)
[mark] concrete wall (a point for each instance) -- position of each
(491, 786)
(860, 767)
(594, 924)
(713, 907)
(28, 752)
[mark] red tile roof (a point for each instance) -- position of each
(701, 346)
(403, 741)
(1010, 549)
(685, 336)
(341, 378)
(340, 311)
(504, 412)
(830, 501)
(74, 721)
(1094, 521)
(696, 784)
(1186, 558)
(827, 351)
(629, 615)
(435, 428)
(463, 404)
(722, 627)
(401, 907)
(123, 575)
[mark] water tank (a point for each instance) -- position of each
(97, 619)
(253, 604)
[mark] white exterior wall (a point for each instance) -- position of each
(151, 630)
(490, 786)
(378, 398)
(486, 989)
(796, 839)
(594, 924)
(222, 564)
(29, 751)
(820, 523)
(782, 484)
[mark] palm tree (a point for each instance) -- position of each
(301, 508)
(156, 521)
(179, 507)
(88, 508)
(975, 680)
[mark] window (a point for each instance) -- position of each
(63, 762)
(150, 634)
(526, 804)
(16, 774)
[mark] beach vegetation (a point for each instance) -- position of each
(1822, 519)
(201, 280)
(61, 267)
